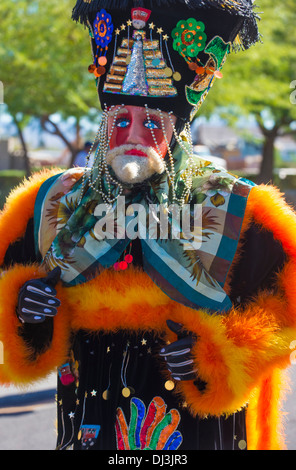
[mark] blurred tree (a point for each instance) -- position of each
(44, 58)
(258, 81)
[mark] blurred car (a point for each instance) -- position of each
(204, 152)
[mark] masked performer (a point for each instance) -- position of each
(160, 286)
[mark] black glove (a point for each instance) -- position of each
(37, 298)
(178, 354)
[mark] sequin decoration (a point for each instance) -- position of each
(65, 374)
(88, 434)
(139, 66)
(218, 50)
(135, 81)
(189, 37)
(103, 29)
(154, 430)
(102, 34)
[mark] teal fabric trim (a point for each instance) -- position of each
(189, 296)
(41, 197)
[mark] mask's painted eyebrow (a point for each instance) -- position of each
(154, 114)
(114, 112)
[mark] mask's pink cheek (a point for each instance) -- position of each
(161, 146)
(119, 137)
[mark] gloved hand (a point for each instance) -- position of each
(37, 298)
(178, 354)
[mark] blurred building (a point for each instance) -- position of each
(228, 144)
(242, 148)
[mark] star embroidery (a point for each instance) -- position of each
(151, 25)
(117, 31)
(165, 37)
(108, 349)
(77, 401)
(71, 415)
(122, 27)
(144, 342)
(129, 23)
(94, 393)
(159, 30)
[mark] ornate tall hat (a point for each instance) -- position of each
(163, 53)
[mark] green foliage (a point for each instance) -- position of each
(44, 58)
(258, 80)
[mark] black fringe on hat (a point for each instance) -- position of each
(247, 36)
(84, 7)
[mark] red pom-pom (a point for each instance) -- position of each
(129, 259)
(67, 379)
(123, 265)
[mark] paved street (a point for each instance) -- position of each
(27, 420)
(290, 409)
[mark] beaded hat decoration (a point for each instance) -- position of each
(163, 53)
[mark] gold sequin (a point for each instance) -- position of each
(177, 76)
(168, 71)
(242, 444)
(126, 392)
(106, 395)
(169, 385)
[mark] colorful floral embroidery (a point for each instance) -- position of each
(189, 37)
(154, 430)
(103, 29)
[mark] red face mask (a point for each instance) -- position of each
(132, 126)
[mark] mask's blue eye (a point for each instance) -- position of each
(122, 122)
(152, 124)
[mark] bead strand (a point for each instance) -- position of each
(172, 173)
(102, 167)
(170, 176)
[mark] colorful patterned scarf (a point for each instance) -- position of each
(192, 272)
